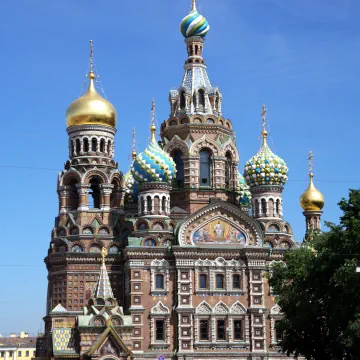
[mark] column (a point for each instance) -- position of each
(106, 191)
(83, 191)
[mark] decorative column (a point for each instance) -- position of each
(106, 191)
(83, 191)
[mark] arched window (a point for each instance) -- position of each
(228, 163)
(182, 100)
(72, 150)
(277, 206)
(210, 121)
(219, 281)
(142, 205)
(273, 228)
(156, 205)
(150, 242)
(205, 166)
(74, 195)
(178, 159)
(94, 194)
(217, 101)
(102, 145)
(93, 144)
(196, 50)
(257, 207)
(164, 204)
(149, 204)
(263, 206)
(77, 146)
(86, 145)
(201, 98)
(108, 147)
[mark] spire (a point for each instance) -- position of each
(310, 159)
(264, 120)
(153, 127)
(133, 153)
(193, 8)
(103, 287)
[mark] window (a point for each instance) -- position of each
(94, 194)
(204, 330)
(263, 206)
(179, 169)
(93, 144)
(205, 161)
(2, 353)
(102, 145)
(109, 147)
(27, 354)
(19, 354)
(278, 332)
(220, 330)
(201, 98)
(86, 145)
(182, 100)
(203, 281)
(228, 163)
(277, 206)
(159, 281)
(238, 330)
(273, 228)
(10, 353)
(159, 324)
(219, 281)
(236, 281)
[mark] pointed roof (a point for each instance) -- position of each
(58, 309)
(103, 286)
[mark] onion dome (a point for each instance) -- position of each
(131, 187)
(91, 108)
(194, 24)
(265, 168)
(312, 199)
(153, 164)
(243, 191)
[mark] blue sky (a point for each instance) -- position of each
(299, 57)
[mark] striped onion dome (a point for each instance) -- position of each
(194, 24)
(131, 187)
(243, 191)
(153, 165)
(265, 168)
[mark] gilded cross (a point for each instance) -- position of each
(91, 56)
(310, 158)
(133, 139)
(104, 252)
(263, 116)
(152, 111)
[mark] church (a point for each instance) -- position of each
(168, 259)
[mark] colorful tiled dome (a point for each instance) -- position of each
(243, 190)
(265, 168)
(131, 187)
(153, 165)
(194, 24)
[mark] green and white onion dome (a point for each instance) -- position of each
(243, 191)
(194, 24)
(153, 164)
(131, 187)
(265, 168)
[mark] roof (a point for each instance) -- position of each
(26, 343)
(58, 309)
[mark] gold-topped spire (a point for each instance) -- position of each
(91, 108)
(312, 199)
(153, 127)
(133, 153)
(104, 253)
(193, 8)
(264, 120)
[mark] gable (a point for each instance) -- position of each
(220, 224)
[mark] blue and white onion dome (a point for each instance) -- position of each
(153, 164)
(243, 191)
(265, 168)
(194, 24)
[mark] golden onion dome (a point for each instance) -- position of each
(312, 199)
(91, 109)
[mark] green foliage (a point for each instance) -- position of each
(318, 290)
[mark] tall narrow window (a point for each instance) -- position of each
(257, 207)
(182, 100)
(178, 159)
(159, 281)
(94, 194)
(220, 330)
(204, 330)
(203, 281)
(201, 97)
(277, 206)
(86, 145)
(72, 149)
(163, 205)
(263, 206)
(108, 147)
(102, 145)
(205, 161)
(73, 196)
(93, 144)
(149, 204)
(159, 324)
(236, 281)
(219, 281)
(77, 146)
(238, 330)
(228, 163)
(278, 332)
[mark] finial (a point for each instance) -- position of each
(91, 74)
(104, 253)
(264, 119)
(153, 127)
(133, 153)
(193, 5)
(311, 158)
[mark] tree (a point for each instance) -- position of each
(318, 290)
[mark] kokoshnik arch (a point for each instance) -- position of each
(170, 259)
